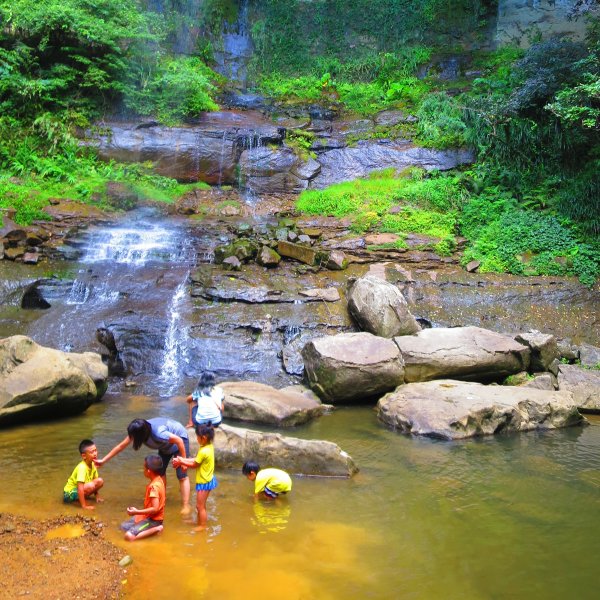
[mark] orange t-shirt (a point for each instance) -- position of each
(155, 489)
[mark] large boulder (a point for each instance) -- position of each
(452, 410)
(234, 446)
(260, 403)
(352, 366)
(467, 353)
(584, 384)
(38, 382)
(380, 308)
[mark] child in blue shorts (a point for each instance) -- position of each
(204, 463)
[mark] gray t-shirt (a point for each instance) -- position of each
(162, 430)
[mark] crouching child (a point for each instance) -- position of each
(148, 521)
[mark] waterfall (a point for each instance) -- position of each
(176, 342)
(250, 156)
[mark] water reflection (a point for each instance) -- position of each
(271, 517)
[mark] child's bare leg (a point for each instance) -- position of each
(190, 423)
(201, 497)
(144, 534)
(184, 488)
(93, 487)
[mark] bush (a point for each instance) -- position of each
(531, 243)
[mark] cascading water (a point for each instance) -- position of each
(133, 280)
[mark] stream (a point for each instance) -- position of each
(503, 517)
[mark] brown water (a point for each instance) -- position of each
(508, 517)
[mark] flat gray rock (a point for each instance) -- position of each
(260, 403)
(466, 353)
(454, 410)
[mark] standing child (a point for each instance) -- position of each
(84, 481)
(204, 463)
(268, 483)
(149, 520)
(205, 403)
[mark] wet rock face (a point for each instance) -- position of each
(454, 410)
(247, 150)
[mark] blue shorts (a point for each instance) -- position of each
(181, 473)
(271, 493)
(136, 528)
(207, 487)
(69, 497)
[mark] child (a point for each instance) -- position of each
(84, 481)
(204, 463)
(149, 520)
(205, 402)
(268, 483)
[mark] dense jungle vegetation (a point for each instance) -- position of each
(530, 204)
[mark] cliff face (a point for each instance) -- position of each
(522, 22)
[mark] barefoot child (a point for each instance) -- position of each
(268, 483)
(148, 521)
(84, 481)
(204, 463)
(205, 403)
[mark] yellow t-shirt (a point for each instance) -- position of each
(81, 474)
(276, 480)
(206, 463)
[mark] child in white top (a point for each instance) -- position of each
(205, 402)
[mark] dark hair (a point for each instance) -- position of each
(154, 463)
(205, 383)
(250, 467)
(139, 431)
(84, 445)
(206, 429)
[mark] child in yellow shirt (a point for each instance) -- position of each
(268, 483)
(84, 481)
(204, 463)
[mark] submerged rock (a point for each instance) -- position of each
(234, 446)
(455, 410)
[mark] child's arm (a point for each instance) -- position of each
(118, 448)
(81, 495)
(188, 463)
(147, 512)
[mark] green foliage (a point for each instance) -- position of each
(172, 88)
(531, 243)
(412, 220)
(64, 54)
(535, 129)
(427, 204)
(440, 123)
(367, 36)
(300, 141)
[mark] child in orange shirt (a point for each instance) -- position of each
(148, 521)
